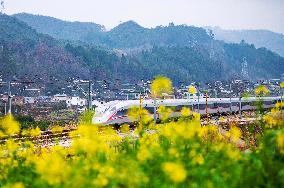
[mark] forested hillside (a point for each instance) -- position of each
(260, 38)
(124, 36)
(25, 53)
(130, 52)
(60, 29)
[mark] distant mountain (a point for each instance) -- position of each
(260, 38)
(221, 61)
(60, 29)
(26, 54)
(130, 52)
(125, 36)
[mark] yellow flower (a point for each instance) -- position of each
(2, 135)
(52, 168)
(280, 142)
(282, 85)
(16, 185)
(185, 111)
(235, 133)
(35, 132)
(198, 160)
(125, 128)
(196, 116)
(175, 171)
(233, 153)
(261, 90)
(9, 125)
(11, 146)
(143, 154)
(57, 129)
(164, 112)
(222, 119)
(192, 89)
(161, 85)
(137, 114)
(173, 152)
(101, 181)
(279, 104)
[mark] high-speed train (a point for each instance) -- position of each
(115, 112)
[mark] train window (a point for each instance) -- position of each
(224, 105)
(245, 103)
(235, 103)
(210, 105)
(121, 112)
(178, 108)
(150, 109)
(202, 106)
(267, 102)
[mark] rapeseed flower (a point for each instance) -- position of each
(280, 141)
(261, 90)
(9, 125)
(192, 89)
(185, 111)
(161, 85)
(35, 132)
(198, 159)
(56, 129)
(174, 171)
(164, 112)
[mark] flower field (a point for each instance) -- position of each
(181, 153)
(174, 154)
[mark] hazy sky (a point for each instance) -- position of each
(229, 14)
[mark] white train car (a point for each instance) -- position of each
(115, 112)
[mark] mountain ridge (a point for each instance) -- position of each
(98, 35)
(183, 53)
(258, 37)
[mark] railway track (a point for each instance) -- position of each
(48, 138)
(44, 137)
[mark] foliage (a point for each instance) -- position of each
(261, 90)
(175, 154)
(192, 89)
(161, 85)
(86, 117)
(270, 40)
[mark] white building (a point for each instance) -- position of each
(29, 100)
(75, 101)
(60, 97)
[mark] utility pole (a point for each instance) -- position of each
(240, 107)
(198, 96)
(231, 98)
(140, 109)
(9, 98)
(5, 108)
(155, 109)
(207, 114)
(281, 93)
(90, 96)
